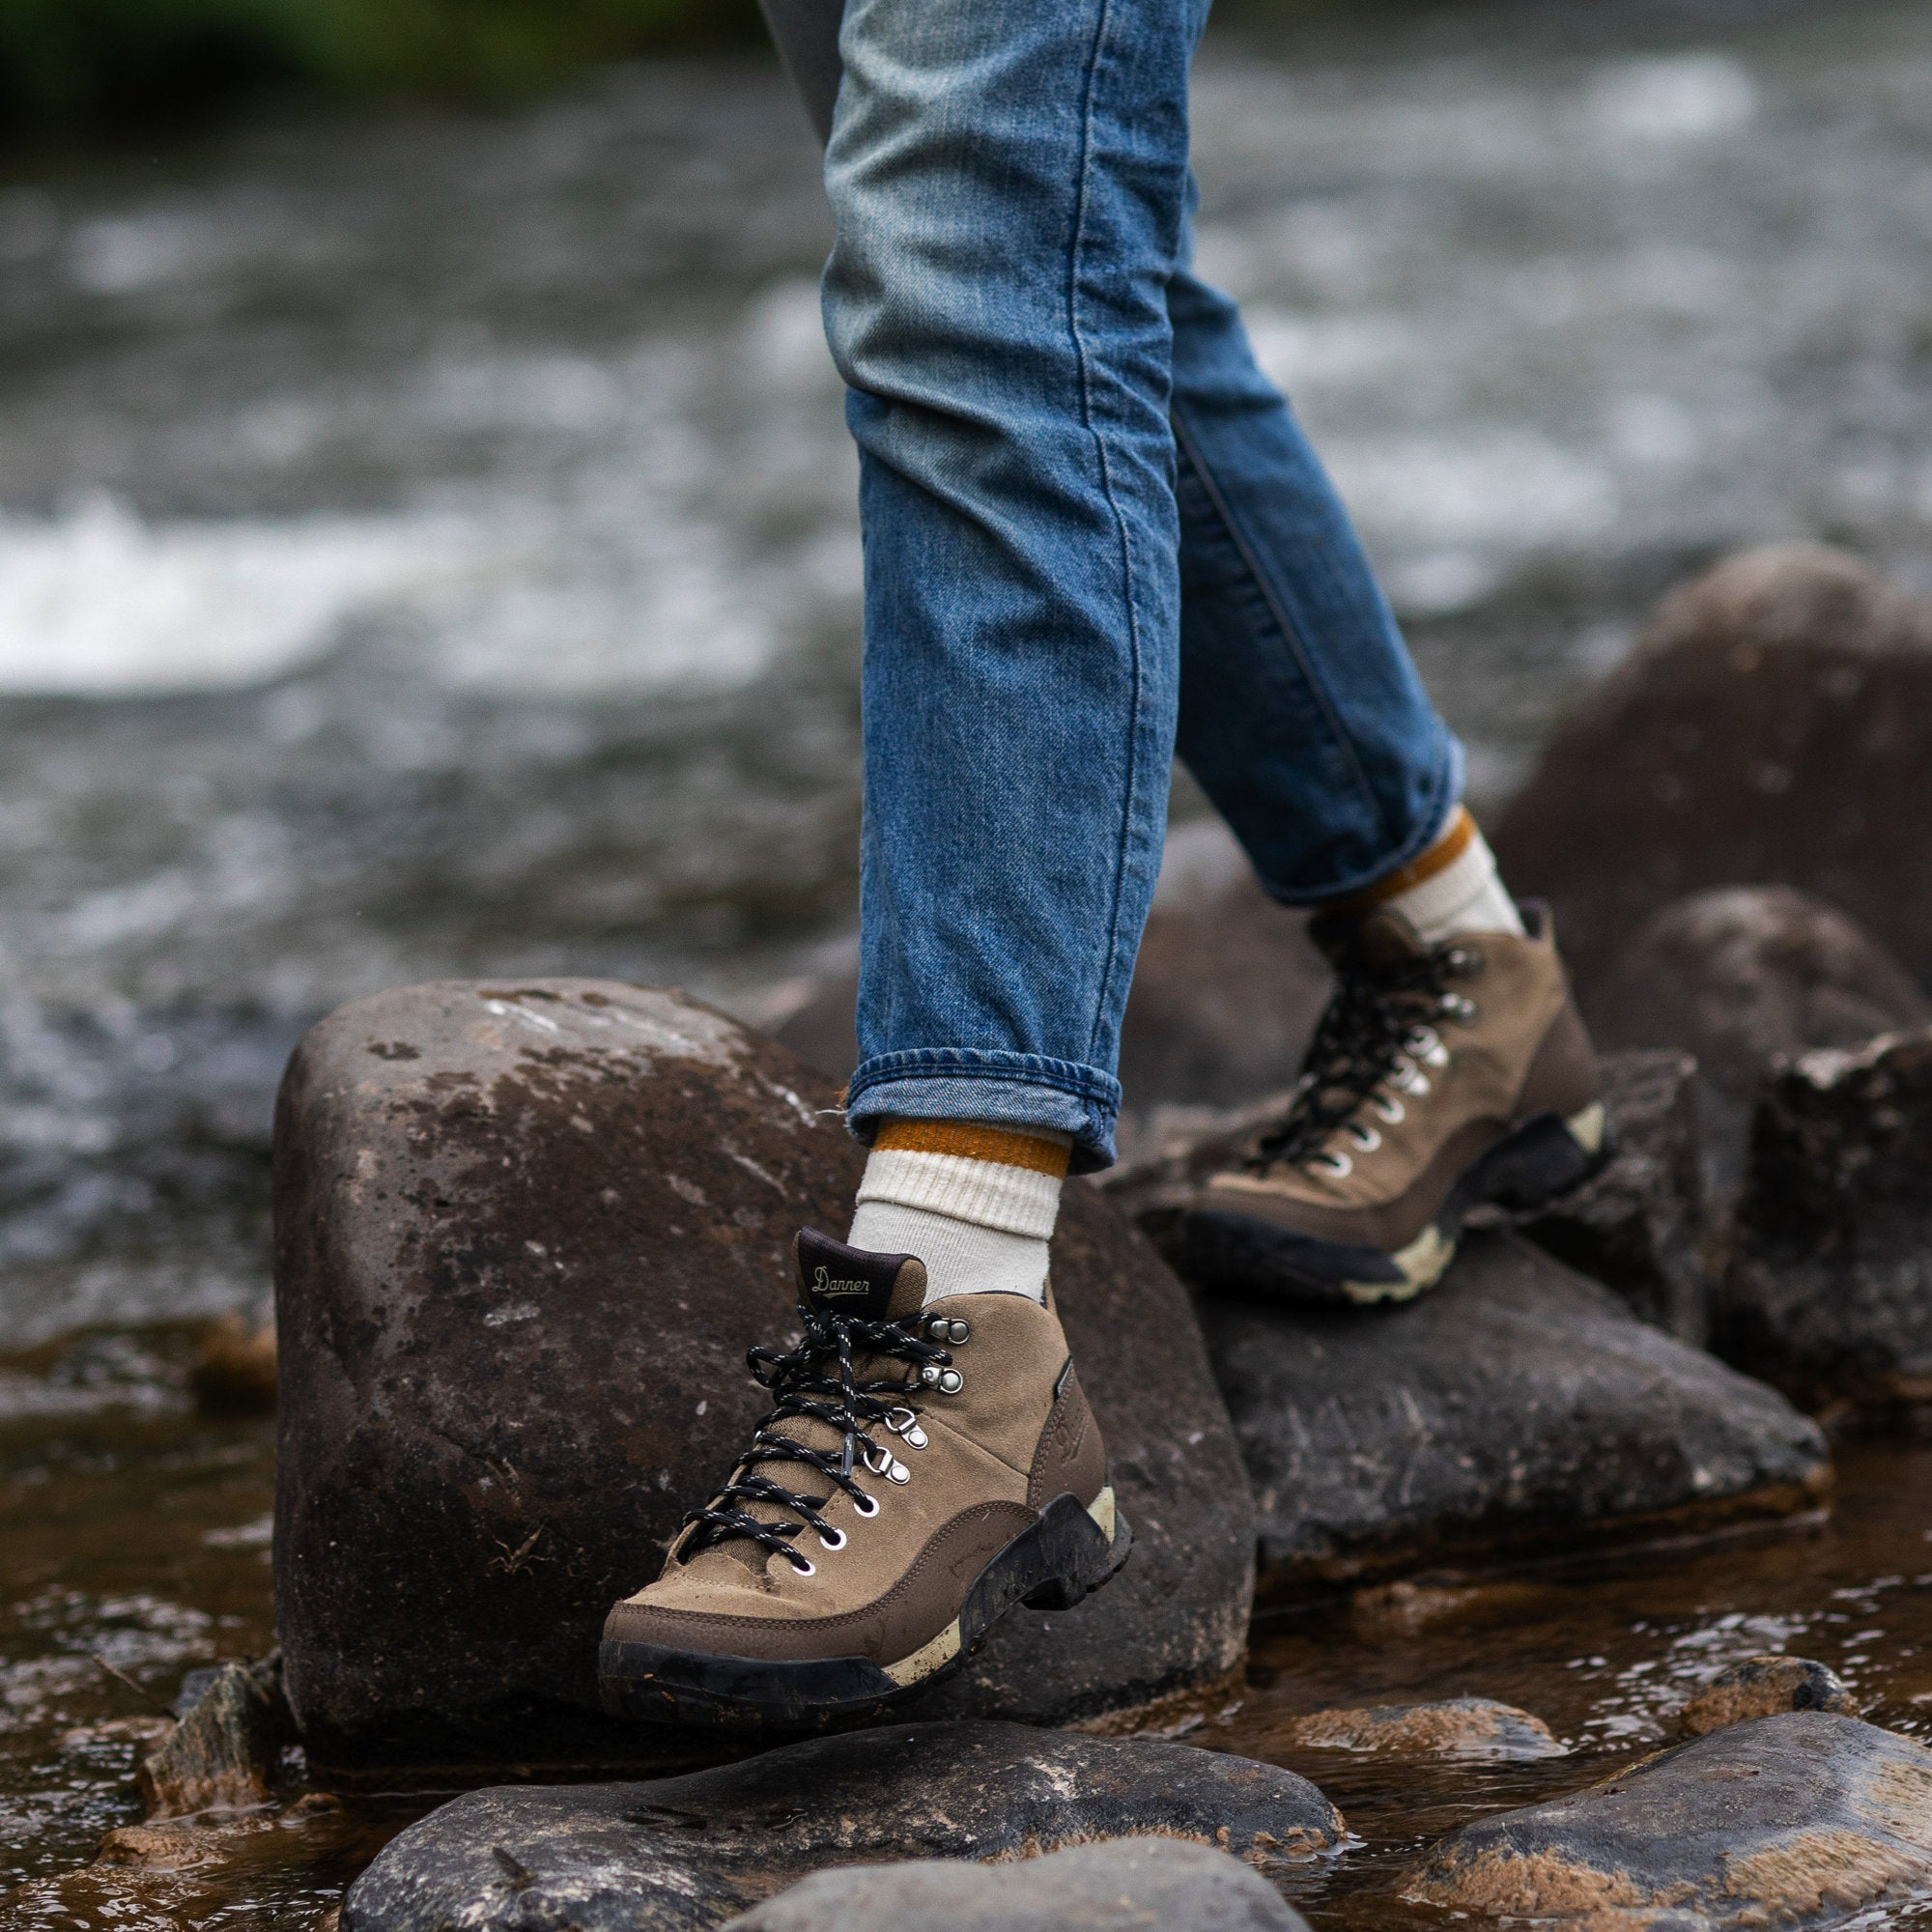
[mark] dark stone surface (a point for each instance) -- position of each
(1795, 1821)
(1478, 1729)
(1761, 1686)
(1516, 1406)
(223, 1752)
(693, 1851)
(1740, 975)
(1828, 1292)
(525, 1233)
(1133, 1882)
(1227, 990)
(1773, 728)
(1638, 1225)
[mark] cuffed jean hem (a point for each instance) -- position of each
(1014, 1090)
(1443, 796)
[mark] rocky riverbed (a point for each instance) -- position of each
(1595, 1589)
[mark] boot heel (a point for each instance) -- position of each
(1543, 1158)
(1094, 1544)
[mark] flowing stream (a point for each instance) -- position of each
(427, 548)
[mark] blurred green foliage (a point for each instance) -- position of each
(92, 64)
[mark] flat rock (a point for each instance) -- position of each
(1475, 1729)
(1518, 1406)
(1795, 1821)
(1739, 975)
(1638, 1224)
(693, 1851)
(1774, 727)
(1137, 1883)
(1828, 1292)
(1761, 1686)
(525, 1233)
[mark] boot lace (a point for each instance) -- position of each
(816, 1381)
(1372, 1033)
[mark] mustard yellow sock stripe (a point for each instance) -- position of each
(1438, 857)
(973, 1141)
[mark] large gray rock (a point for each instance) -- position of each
(693, 1851)
(1517, 1407)
(1739, 975)
(1132, 1883)
(1774, 728)
(1638, 1224)
(1829, 1292)
(1796, 1821)
(524, 1234)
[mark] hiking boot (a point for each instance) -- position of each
(923, 1470)
(1439, 1077)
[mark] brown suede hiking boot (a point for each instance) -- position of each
(1439, 1078)
(921, 1471)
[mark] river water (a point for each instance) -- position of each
(427, 547)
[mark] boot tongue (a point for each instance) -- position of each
(1381, 938)
(853, 1281)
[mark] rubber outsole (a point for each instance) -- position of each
(1057, 1562)
(1243, 1255)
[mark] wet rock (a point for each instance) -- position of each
(1761, 1686)
(233, 1373)
(1227, 990)
(1458, 1727)
(223, 1752)
(1798, 1821)
(1638, 1225)
(525, 1233)
(1743, 974)
(1774, 728)
(1828, 1292)
(1131, 1882)
(693, 1851)
(1516, 1406)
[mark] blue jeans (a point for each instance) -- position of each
(1093, 535)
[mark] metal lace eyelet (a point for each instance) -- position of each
(1390, 1109)
(951, 1381)
(958, 1332)
(826, 1543)
(867, 1506)
(1364, 1136)
(905, 1424)
(897, 1472)
(1337, 1164)
(804, 1564)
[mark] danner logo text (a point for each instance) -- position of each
(823, 1284)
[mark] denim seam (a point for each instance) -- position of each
(1427, 827)
(1103, 15)
(1277, 610)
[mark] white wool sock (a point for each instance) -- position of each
(1455, 887)
(980, 1225)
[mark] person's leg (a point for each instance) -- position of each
(1301, 716)
(1007, 184)
(1303, 720)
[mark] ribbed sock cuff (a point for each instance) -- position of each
(988, 1193)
